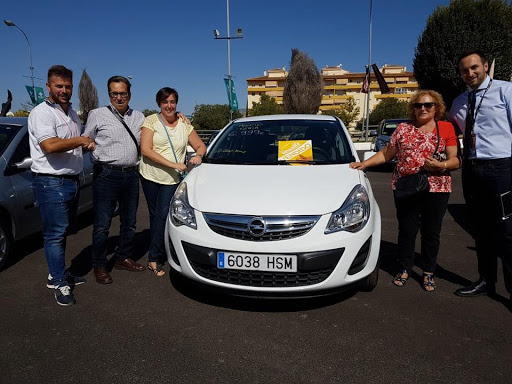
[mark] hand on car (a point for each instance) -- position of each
(195, 160)
(357, 165)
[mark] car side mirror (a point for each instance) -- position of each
(21, 166)
(372, 133)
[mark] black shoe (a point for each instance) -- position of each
(478, 288)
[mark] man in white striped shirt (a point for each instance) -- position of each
(56, 150)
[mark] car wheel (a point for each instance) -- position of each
(5, 241)
(370, 282)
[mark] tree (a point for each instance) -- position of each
(347, 112)
(21, 113)
(212, 116)
(146, 112)
(266, 106)
(303, 88)
(463, 25)
(389, 108)
(88, 96)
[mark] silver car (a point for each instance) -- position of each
(19, 217)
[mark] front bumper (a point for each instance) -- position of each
(324, 262)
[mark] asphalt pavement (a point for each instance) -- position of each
(145, 329)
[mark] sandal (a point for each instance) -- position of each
(399, 280)
(158, 271)
(428, 283)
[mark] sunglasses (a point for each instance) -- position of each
(420, 105)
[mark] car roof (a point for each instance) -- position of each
(395, 120)
(286, 117)
(13, 120)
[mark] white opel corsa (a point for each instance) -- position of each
(275, 210)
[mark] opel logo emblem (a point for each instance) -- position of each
(257, 226)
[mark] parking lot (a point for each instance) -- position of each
(144, 329)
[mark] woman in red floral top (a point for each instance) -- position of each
(414, 145)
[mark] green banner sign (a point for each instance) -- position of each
(233, 102)
(38, 97)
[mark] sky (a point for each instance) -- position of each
(171, 43)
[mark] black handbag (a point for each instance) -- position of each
(411, 185)
(408, 186)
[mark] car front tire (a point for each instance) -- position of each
(5, 241)
(370, 282)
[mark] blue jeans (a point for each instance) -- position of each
(109, 187)
(57, 198)
(158, 197)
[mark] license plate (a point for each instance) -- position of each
(252, 262)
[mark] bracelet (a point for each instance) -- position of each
(200, 155)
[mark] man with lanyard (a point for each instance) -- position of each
(484, 111)
(56, 150)
(116, 132)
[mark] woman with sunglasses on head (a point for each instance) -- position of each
(163, 142)
(423, 145)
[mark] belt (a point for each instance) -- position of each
(119, 168)
(476, 162)
(67, 177)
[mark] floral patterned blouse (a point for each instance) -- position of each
(414, 146)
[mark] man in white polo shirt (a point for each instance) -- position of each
(56, 151)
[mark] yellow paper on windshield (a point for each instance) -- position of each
(296, 150)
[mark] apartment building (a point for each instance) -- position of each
(339, 86)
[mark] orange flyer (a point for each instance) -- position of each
(297, 150)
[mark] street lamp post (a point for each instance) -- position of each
(9, 23)
(239, 35)
(369, 75)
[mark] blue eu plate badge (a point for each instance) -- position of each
(220, 260)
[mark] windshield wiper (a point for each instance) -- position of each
(220, 160)
(288, 162)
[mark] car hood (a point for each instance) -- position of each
(270, 190)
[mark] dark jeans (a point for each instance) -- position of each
(109, 188)
(158, 197)
(483, 184)
(425, 212)
(57, 199)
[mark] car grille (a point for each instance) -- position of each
(261, 279)
(276, 227)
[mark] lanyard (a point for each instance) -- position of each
(475, 112)
(59, 115)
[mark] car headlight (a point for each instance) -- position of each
(353, 214)
(180, 210)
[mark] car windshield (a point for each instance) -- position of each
(7, 132)
(273, 142)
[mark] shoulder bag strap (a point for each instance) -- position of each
(437, 131)
(168, 137)
(126, 126)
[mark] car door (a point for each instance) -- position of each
(26, 215)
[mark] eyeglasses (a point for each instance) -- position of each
(420, 105)
(123, 95)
